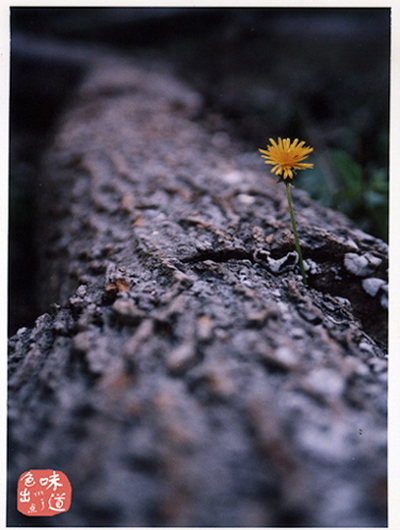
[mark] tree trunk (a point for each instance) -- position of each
(184, 375)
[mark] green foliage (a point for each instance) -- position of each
(359, 192)
(351, 176)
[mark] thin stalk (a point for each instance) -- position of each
(296, 237)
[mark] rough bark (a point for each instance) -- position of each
(185, 375)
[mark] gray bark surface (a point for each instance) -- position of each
(185, 376)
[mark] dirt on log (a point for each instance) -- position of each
(184, 375)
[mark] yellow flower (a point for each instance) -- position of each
(285, 157)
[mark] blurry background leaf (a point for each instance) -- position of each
(350, 173)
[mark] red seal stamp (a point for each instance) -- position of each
(43, 492)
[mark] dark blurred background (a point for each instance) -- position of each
(321, 75)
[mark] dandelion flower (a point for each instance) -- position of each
(286, 156)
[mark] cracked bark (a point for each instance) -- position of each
(184, 375)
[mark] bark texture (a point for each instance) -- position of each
(185, 375)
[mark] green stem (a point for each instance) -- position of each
(296, 237)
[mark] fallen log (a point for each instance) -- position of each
(184, 375)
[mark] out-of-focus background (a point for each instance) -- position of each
(321, 75)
